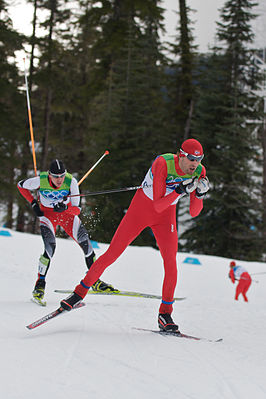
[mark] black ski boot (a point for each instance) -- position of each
(70, 301)
(166, 322)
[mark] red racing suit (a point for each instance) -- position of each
(158, 213)
(244, 281)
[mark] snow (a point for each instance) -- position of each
(95, 352)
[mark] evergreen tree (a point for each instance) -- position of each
(43, 82)
(26, 219)
(81, 81)
(12, 122)
(128, 111)
(47, 94)
(181, 89)
(225, 123)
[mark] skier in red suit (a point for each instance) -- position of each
(243, 277)
(170, 178)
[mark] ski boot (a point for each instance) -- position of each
(38, 293)
(70, 301)
(166, 323)
(101, 286)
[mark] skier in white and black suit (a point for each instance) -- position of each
(54, 211)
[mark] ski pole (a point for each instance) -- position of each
(91, 169)
(253, 274)
(117, 190)
(30, 121)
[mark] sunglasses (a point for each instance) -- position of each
(57, 176)
(192, 157)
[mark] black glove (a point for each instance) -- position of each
(203, 187)
(60, 207)
(36, 208)
(187, 186)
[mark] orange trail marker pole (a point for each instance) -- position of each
(30, 121)
(94, 166)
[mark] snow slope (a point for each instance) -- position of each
(94, 352)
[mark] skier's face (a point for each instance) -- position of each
(187, 166)
(57, 181)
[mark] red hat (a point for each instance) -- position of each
(232, 263)
(193, 147)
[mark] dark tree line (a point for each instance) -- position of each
(99, 79)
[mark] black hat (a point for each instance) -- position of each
(57, 167)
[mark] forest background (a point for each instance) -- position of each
(100, 78)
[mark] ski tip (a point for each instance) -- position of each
(30, 327)
(51, 315)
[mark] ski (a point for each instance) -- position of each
(178, 335)
(51, 315)
(120, 293)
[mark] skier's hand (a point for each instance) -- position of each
(60, 207)
(36, 209)
(187, 186)
(203, 187)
